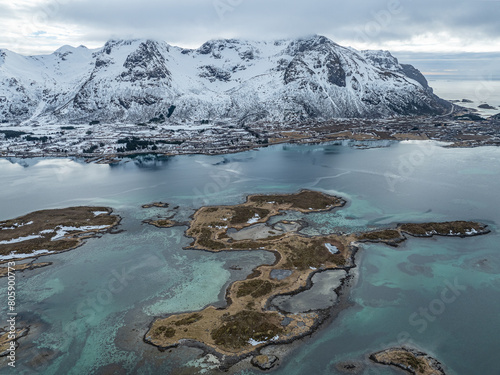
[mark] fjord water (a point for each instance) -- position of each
(89, 310)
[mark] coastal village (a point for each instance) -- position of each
(102, 142)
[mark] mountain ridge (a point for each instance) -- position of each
(241, 81)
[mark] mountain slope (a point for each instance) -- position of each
(235, 80)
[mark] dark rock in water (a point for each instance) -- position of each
(155, 204)
(350, 367)
(485, 106)
(467, 101)
(410, 360)
(264, 362)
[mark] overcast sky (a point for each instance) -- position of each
(41, 26)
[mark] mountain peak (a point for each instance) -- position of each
(309, 43)
(215, 45)
(223, 80)
(64, 49)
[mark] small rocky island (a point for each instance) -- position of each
(155, 204)
(51, 231)
(486, 106)
(251, 320)
(411, 360)
(162, 223)
(395, 236)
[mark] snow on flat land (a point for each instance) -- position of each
(471, 232)
(254, 219)
(13, 255)
(63, 231)
(20, 239)
(17, 225)
(331, 248)
(254, 342)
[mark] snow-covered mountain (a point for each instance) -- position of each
(236, 80)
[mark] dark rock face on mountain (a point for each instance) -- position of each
(145, 63)
(234, 80)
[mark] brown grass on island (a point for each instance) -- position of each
(245, 324)
(162, 223)
(210, 224)
(304, 201)
(450, 228)
(387, 236)
(381, 235)
(237, 330)
(410, 360)
(35, 231)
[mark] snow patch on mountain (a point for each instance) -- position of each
(237, 80)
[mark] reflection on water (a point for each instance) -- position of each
(80, 327)
(149, 162)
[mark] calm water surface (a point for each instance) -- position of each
(80, 327)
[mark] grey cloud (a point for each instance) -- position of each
(6, 13)
(195, 21)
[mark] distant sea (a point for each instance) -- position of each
(478, 91)
(457, 76)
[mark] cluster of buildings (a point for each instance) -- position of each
(111, 140)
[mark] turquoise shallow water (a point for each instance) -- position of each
(90, 309)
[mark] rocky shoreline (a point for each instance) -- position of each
(4, 271)
(249, 302)
(271, 354)
(410, 360)
(223, 332)
(52, 231)
(394, 237)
